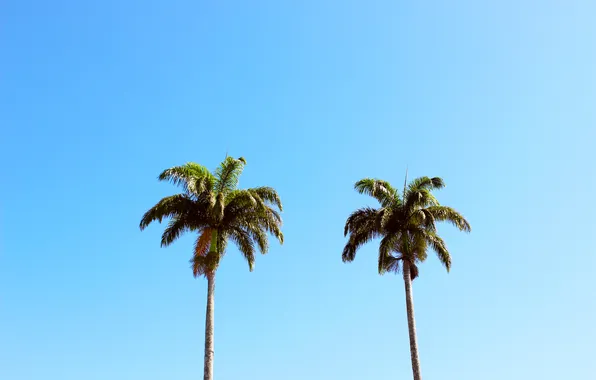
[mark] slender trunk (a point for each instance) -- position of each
(208, 367)
(411, 321)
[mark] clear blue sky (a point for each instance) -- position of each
(496, 97)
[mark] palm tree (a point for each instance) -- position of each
(405, 223)
(214, 208)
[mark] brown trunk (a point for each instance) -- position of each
(208, 366)
(411, 322)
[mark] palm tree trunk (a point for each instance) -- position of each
(208, 366)
(411, 321)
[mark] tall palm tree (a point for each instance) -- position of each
(405, 223)
(214, 208)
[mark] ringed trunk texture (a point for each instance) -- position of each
(209, 319)
(411, 321)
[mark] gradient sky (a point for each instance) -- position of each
(496, 97)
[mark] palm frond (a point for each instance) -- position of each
(447, 214)
(200, 252)
(166, 208)
(357, 240)
(268, 194)
(422, 217)
(427, 183)
(245, 245)
(419, 198)
(203, 242)
(176, 227)
(364, 218)
(192, 177)
(228, 174)
(386, 246)
(381, 190)
(438, 245)
(243, 199)
(392, 264)
(265, 218)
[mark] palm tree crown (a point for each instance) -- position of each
(212, 206)
(405, 223)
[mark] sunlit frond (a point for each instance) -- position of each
(427, 183)
(438, 245)
(447, 214)
(228, 174)
(192, 177)
(419, 198)
(381, 190)
(268, 194)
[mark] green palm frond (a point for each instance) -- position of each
(447, 214)
(419, 198)
(268, 194)
(381, 190)
(243, 198)
(245, 245)
(423, 218)
(176, 227)
(166, 208)
(356, 241)
(438, 245)
(386, 247)
(228, 174)
(364, 218)
(192, 177)
(427, 183)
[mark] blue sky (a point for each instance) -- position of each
(496, 97)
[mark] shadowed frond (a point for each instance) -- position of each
(166, 208)
(386, 246)
(245, 245)
(364, 218)
(381, 190)
(357, 240)
(392, 264)
(176, 227)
